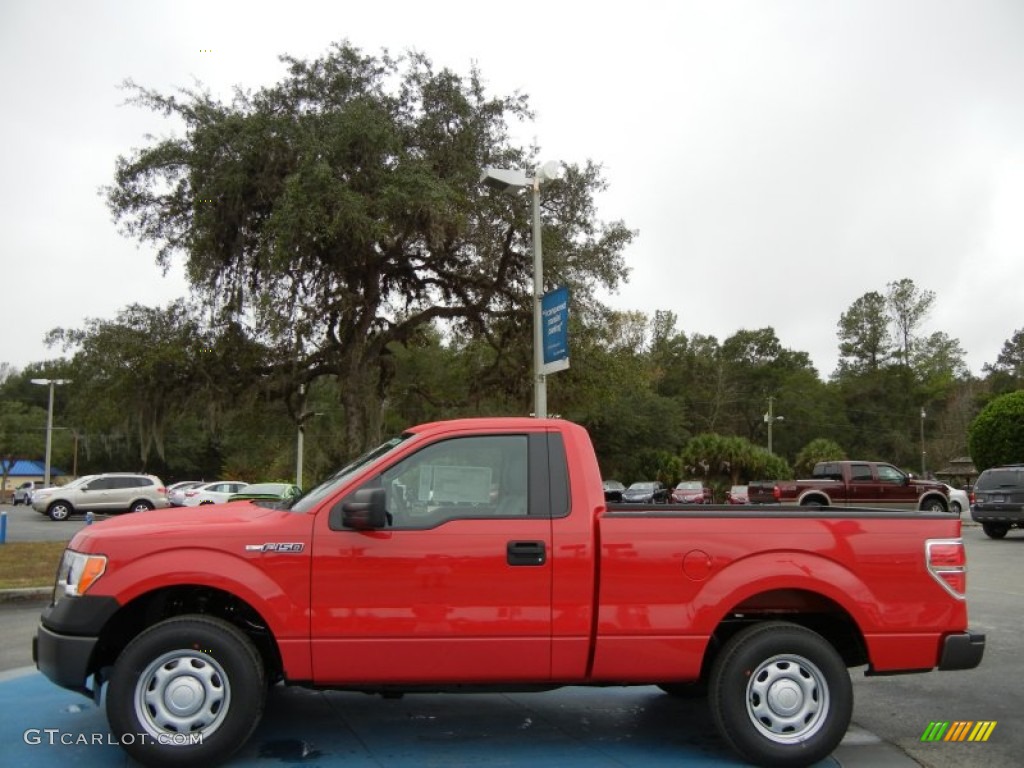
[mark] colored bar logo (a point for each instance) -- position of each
(959, 730)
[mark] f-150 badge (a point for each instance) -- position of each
(294, 546)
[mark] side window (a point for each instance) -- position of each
(467, 477)
(887, 474)
(101, 484)
(860, 473)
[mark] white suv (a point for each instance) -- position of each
(23, 493)
(111, 492)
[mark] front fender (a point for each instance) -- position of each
(275, 584)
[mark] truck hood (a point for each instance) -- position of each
(197, 522)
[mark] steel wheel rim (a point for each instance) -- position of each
(182, 691)
(787, 698)
(59, 512)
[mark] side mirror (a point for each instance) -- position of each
(367, 511)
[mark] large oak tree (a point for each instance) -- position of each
(339, 212)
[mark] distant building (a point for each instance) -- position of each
(16, 472)
(959, 471)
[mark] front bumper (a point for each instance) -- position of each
(64, 658)
(962, 651)
(67, 636)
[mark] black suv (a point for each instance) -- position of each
(997, 501)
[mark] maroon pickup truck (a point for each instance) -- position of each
(854, 484)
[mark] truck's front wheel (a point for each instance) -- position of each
(780, 695)
(187, 691)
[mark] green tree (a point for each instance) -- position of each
(819, 449)
(338, 212)
(908, 305)
(22, 435)
(1007, 372)
(864, 339)
(996, 436)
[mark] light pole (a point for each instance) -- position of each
(505, 180)
(299, 448)
(51, 383)
(923, 470)
(770, 418)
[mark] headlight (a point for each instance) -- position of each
(77, 573)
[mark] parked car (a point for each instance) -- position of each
(645, 492)
(613, 490)
(959, 501)
(692, 492)
(176, 492)
(737, 495)
(23, 493)
(109, 492)
(212, 493)
(997, 501)
(268, 492)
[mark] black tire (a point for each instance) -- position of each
(933, 505)
(995, 530)
(698, 689)
(204, 503)
(140, 506)
(203, 659)
(780, 695)
(954, 507)
(811, 502)
(60, 510)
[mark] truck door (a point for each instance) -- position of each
(862, 489)
(895, 488)
(457, 587)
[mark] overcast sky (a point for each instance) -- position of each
(779, 159)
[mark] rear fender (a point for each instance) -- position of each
(743, 580)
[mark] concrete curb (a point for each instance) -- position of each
(28, 594)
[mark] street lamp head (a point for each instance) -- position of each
(552, 170)
(504, 180)
(47, 382)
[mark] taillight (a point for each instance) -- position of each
(777, 493)
(947, 563)
(973, 500)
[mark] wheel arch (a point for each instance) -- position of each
(155, 606)
(808, 590)
(930, 496)
(814, 497)
(806, 608)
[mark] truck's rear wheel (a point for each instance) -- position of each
(780, 695)
(995, 530)
(187, 691)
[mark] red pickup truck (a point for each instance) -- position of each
(854, 484)
(481, 553)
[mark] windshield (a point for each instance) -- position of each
(79, 481)
(642, 486)
(339, 478)
(688, 486)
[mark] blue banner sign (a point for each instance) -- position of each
(554, 307)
